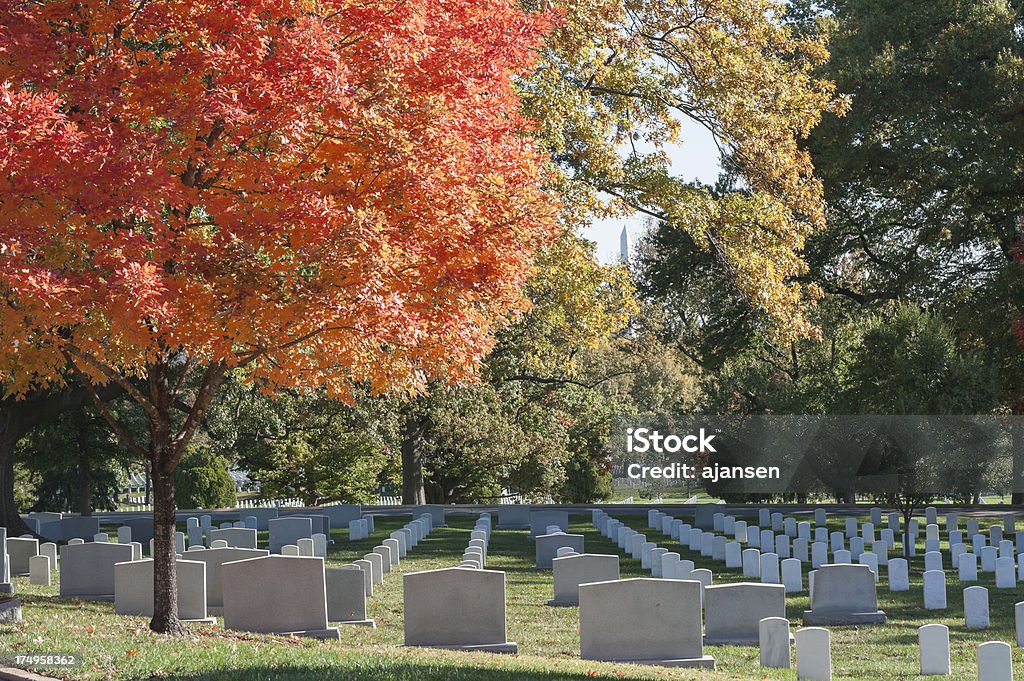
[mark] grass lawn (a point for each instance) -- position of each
(111, 646)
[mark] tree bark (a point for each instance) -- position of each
(412, 459)
(1017, 477)
(908, 514)
(165, 591)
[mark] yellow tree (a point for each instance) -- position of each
(622, 74)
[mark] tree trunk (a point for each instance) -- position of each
(412, 459)
(84, 486)
(165, 592)
(1017, 477)
(908, 514)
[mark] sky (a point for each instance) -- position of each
(696, 158)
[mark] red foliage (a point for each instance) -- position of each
(330, 192)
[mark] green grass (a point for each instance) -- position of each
(122, 647)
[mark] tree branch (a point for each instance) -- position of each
(111, 375)
(207, 391)
(119, 430)
(552, 380)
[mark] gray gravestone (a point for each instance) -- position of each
(277, 595)
(647, 621)
(435, 613)
(844, 594)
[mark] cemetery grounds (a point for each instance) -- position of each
(113, 646)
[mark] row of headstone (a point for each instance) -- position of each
(208, 584)
(841, 603)
(848, 594)
(1007, 573)
(661, 562)
(349, 586)
(297, 594)
(814, 651)
(475, 555)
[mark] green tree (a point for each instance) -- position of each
(306, 444)
(203, 480)
(577, 305)
(924, 178)
(73, 463)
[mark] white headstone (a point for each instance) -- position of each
(899, 575)
(813, 654)
(1006, 573)
(751, 563)
(988, 558)
(39, 570)
(819, 554)
(792, 575)
(850, 525)
(800, 550)
(1018, 620)
(733, 555)
(933, 644)
(669, 564)
(968, 567)
(773, 641)
(871, 561)
(935, 590)
(994, 662)
(770, 569)
(976, 607)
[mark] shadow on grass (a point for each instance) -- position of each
(401, 670)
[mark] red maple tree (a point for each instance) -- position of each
(317, 193)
